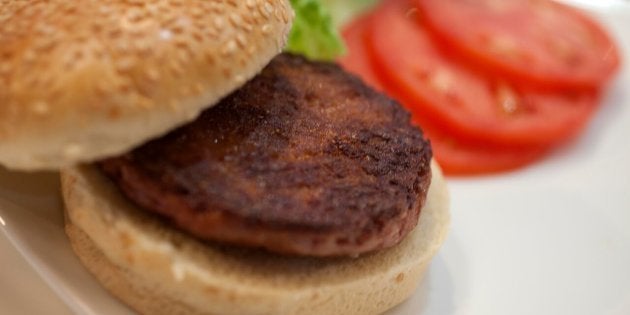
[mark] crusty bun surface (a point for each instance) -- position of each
(82, 80)
(157, 270)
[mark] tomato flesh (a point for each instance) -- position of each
(454, 158)
(531, 42)
(459, 159)
(473, 108)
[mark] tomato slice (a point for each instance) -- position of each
(460, 159)
(455, 158)
(532, 42)
(356, 59)
(468, 106)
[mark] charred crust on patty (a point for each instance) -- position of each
(304, 159)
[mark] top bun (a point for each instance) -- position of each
(83, 80)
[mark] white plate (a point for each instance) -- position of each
(553, 238)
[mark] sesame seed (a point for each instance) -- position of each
(229, 48)
(132, 46)
(166, 34)
(219, 23)
(266, 29)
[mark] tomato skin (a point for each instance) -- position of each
(469, 134)
(462, 102)
(461, 159)
(541, 44)
(356, 60)
(455, 159)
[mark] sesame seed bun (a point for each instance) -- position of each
(83, 80)
(157, 270)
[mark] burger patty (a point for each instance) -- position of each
(304, 159)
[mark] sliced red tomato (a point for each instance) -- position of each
(455, 158)
(470, 107)
(532, 42)
(356, 59)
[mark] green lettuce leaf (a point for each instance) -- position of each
(343, 11)
(314, 34)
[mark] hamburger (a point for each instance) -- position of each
(206, 172)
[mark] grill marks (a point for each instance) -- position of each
(304, 159)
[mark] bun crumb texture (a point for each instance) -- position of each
(158, 270)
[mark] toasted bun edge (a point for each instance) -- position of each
(157, 270)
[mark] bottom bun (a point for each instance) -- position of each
(158, 270)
